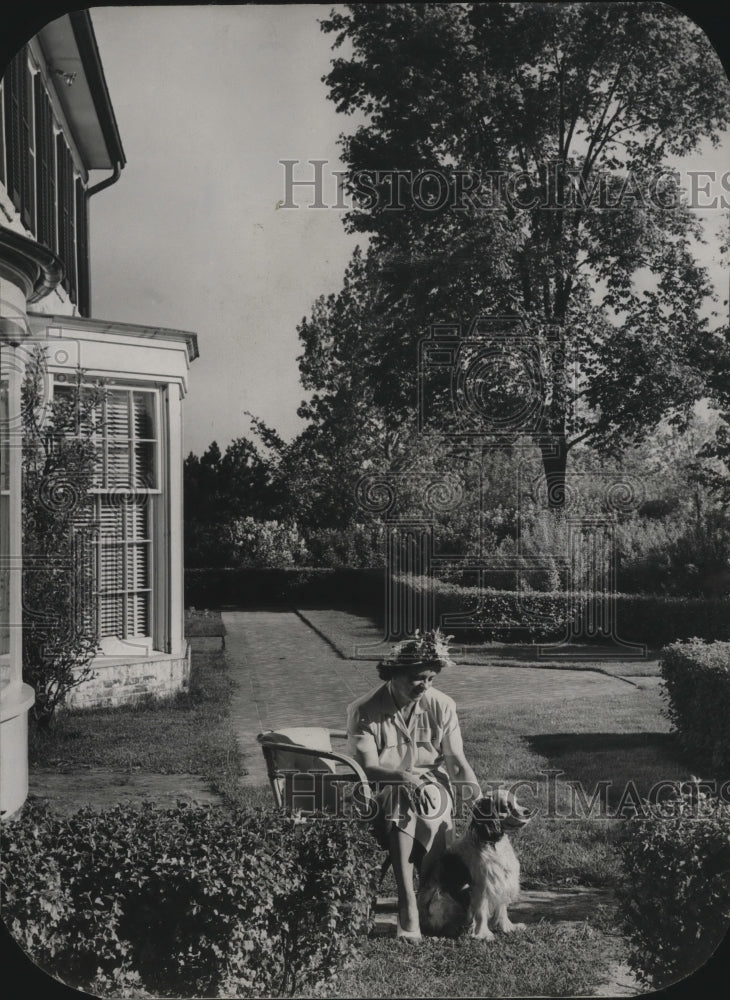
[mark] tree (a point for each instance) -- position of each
(221, 489)
(59, 465)
(539, 137)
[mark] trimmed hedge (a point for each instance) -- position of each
(697, 683)
(186, 902)
(497, 615)
(247, 587)
(517, 616)
(676, 897)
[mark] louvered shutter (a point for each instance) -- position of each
(82, 249)
(143, 416)
(118, 436)
(13, 88)
(66, 215)
(45, 167)
(26, 148)
(3, 127)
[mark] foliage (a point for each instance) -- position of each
(249, 587)
(188, 901)
(586, 239)
(485, 614)
(697, 684)
(59, 464)
(265, 544)
(358, 546)
(677, 898)
(221, 489)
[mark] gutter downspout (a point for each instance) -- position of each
(107, 182)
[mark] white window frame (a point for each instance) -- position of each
(156, 641)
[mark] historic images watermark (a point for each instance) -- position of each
(549, 797)
(555, 186)
(481, 390)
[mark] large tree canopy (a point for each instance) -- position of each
(579, 109)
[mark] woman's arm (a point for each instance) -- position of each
(366, 755)
(459, 769)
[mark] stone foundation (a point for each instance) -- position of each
(123, 682)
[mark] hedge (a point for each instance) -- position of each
(676, 896)
(697, 683)
(216, 588)
(522, 616)
(185, 902)
(500, 615)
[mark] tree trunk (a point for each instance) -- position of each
(554, 460)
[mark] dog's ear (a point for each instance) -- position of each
(488, 829)
(486, 819)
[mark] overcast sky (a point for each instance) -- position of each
(208, 100)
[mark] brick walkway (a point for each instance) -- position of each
(289, 676)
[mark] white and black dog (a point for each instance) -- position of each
(471, 885)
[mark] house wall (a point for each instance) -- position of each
(131, 681)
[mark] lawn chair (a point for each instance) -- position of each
(308, 776)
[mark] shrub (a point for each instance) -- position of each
(676, 900)
(697, 683)
(521, 616)
(248, 587)
(190, 901)
(60, 636)
(267, 544)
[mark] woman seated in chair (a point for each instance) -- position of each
(405, 734)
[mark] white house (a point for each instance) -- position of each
(57, 126)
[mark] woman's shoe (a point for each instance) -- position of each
(410, 936)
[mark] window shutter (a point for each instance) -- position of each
(27, 146)
(13, 116)
(3, 127)
(45, 167)
(82, 248)
(66, 215)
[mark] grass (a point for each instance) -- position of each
(350, 630)
(186, 734)
(556, 960)
(623, 740)
(620, 739)
(203, 623)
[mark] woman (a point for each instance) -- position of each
(405, 734)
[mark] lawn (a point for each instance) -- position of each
(622, 740)
(356, 636)
(186, 734)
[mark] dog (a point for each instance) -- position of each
(471, 885)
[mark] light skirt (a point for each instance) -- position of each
(429, 817)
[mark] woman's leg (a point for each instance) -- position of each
(401, 847)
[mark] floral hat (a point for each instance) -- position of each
(422, 648)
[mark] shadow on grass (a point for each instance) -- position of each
(642, 760)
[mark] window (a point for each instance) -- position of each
(126, 503)
(18, 99)
(39, 175)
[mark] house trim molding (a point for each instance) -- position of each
(29, 265)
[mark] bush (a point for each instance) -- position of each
(191, 901)
(697, 683)
(524, 616)
(214, 588)
(676, 900)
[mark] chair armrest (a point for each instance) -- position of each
(339, 758)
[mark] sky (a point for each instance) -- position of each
(208, 101)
